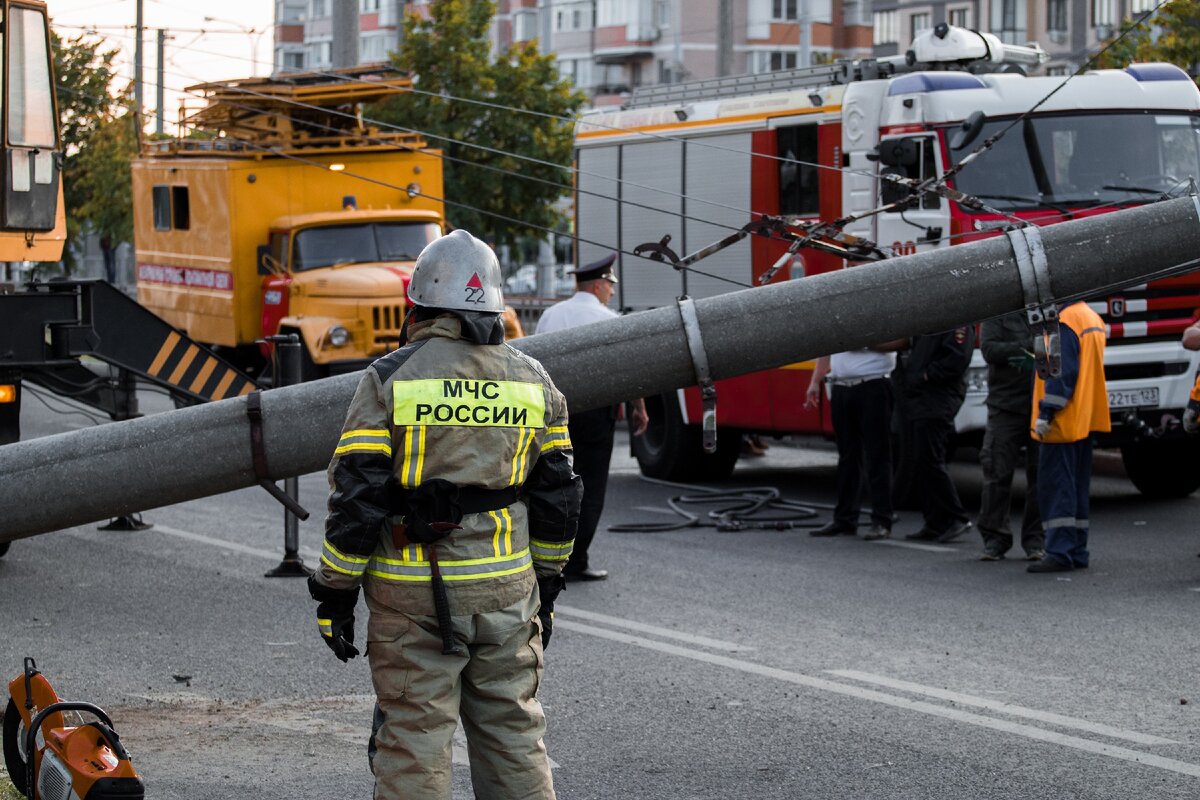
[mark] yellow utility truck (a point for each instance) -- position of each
(279, 211)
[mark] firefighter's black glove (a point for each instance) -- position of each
(335, 617)
(548, 589)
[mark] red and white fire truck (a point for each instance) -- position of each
(697, 160)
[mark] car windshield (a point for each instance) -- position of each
(1083, 160)
(355, 244)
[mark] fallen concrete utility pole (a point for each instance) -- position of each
(74, 478)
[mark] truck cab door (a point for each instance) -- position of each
(276, 281)
(926, 222)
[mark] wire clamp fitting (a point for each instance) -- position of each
(1040, 310)
(708, 391)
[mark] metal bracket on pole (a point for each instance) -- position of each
(708, 391)
(1040, 309)
(259, 453)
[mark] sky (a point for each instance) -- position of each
(197, 50)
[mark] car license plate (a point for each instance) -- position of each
(1133, 398)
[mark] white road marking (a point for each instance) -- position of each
(919, 706)
(1004, 726)
(641, 627)
(929, 548)
(215, 542)
(1002, 707)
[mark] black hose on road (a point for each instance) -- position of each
(751, 508)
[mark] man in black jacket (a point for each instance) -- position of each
(934, 379)
(1007, 346)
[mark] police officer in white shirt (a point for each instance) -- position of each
(591, 431)
(861, 408)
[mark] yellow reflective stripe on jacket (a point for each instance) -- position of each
(550, 551)
(365, 440)
(521, 457)
(471, 403)
(340, 562)
(471, 569)
(502, 537)
(414, 457)
(556, 441)
(326, 626)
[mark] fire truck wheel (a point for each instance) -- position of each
(672, 451)
(1163, 469)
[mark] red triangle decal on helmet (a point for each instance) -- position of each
(475, 283)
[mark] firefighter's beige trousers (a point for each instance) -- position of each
(422, 693)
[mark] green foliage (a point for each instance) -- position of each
(450, 53)
(1171, 35)
(99, 139)
(104, 181)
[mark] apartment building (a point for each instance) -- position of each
(304, 32)
(608, 47)
(1069, 30)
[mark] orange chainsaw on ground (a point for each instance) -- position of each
(50, 759)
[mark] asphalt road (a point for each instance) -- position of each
(752, 664)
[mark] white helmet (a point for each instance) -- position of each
(457, 272)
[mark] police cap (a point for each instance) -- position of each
(597, 270)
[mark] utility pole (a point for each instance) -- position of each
(805, 33)
(137, 63)
(162, 46)
(677, 23)
(545, 25)
(149, 462)
(401, 15)
(345, 34)
(724, 38)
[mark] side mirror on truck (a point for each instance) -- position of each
(267, 264)
(899, 152)
(969, 131)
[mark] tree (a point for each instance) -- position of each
(449, 53)
(93, 117)
(1171, 35)
(103, 179)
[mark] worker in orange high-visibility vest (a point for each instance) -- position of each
(1067, 410)
(1191, 423)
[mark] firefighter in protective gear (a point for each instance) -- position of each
(1067, 410)
(454, 506)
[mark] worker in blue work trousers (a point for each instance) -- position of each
(1067, 410)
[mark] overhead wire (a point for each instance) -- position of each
(576, 170)
(494, 151)
(991, 140)
(950, 237)
(495, 215)
(1010, 216)
(572, 120)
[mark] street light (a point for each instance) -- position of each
(255, 37)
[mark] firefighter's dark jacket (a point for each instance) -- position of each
(1007, 346)
(933, 374)
(474, 414)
